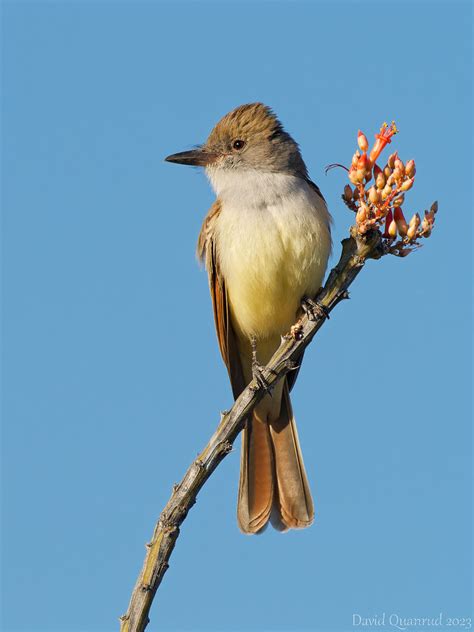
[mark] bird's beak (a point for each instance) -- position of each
(196, 157)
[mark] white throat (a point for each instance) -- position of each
(253, 188)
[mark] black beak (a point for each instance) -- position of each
(196, 157)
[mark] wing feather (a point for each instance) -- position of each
(207, 252)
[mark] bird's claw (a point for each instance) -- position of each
(314, 309)
(257, 370)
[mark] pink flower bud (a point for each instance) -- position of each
(380, 180)
(362, 141)
(361, 215)
(391, 160)
(427, 224)
(411, 232)
(374, 195)
(353, 176)
(355, 159)
(428, 221)
(387, 172)
(386, 191)
(398, 201)
(400, 166)
(413, 226)
(392, 229)
(407, 185)
(415, 220)
(410, 168)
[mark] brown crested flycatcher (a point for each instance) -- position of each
(265, 243)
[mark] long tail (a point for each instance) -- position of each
(273, 484)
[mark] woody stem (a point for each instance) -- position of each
(355, 251)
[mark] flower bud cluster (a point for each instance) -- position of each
(380, 205)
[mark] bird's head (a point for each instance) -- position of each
(249, 138)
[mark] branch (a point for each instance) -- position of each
(355, 251)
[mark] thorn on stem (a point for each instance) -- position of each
(227, 447)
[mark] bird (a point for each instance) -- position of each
(265, 244)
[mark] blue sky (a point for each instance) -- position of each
(112, 380)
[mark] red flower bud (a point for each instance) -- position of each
(400, 221)
(363, 162)
(388, 221)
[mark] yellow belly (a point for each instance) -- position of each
(270, 260)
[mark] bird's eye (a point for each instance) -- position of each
(238, 144)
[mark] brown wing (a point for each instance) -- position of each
(207, 252)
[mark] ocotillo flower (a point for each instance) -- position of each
(383, 138)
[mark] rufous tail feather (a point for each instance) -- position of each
(273, 483)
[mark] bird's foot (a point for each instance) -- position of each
(258, 369)
(314, 309)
